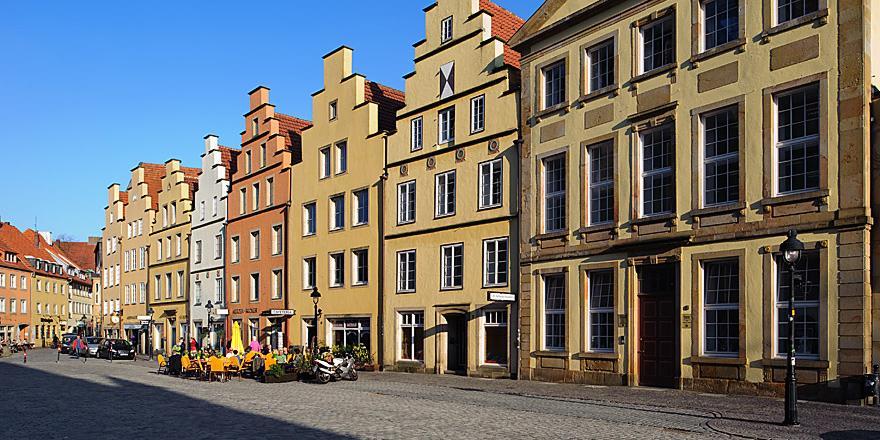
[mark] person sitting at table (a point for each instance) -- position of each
(279, 356)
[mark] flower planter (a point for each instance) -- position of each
(368, 367)
(286, 377)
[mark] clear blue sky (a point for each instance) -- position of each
(88, 89)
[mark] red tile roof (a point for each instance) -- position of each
(291, 128)
(123, 196)
(504, 25)
(191, 176)
(389, 101)
(20, 265)
(153, 174)
(228, 157)
(25, 246)
(81, 253)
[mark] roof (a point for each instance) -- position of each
(227, 159)
(504, 25)
(191, 177)
(25, 246)
(80, 253)
(291, 128)
(389, 101)
(123, 196)
(153, 174)
(10, 264)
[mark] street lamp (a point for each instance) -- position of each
(316, 296)
(791, 249)
(83, 320)
(150, 333)
(210, 308)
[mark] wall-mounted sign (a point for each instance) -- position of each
(686, 320)
(144, 317)
(280, 312)
(222, 311)
(114, 319)
(501, 297)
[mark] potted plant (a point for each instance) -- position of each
(276, 374)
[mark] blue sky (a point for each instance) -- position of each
(89, 89)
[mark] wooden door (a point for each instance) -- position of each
(658, 356)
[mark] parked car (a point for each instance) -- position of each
(94, 342)
(120, 348)
(66, 340)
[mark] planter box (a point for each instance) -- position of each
(369, 367)
(286, 377)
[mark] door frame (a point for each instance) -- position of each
(635, 320)
(442, 361)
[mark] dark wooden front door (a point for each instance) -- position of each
(456, 343)
(658, 356)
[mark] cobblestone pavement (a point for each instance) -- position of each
(99, 399)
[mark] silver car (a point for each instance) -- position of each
(93, 343)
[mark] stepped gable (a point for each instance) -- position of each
(228, 157)
(504, 25)
(389, 101)
(291, 128)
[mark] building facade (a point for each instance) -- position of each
(207, 254)
(140, 214)
(335, 238)
(81, 268)
(111, 270)
(258, 213)
(667, 152)
(15, 295)
(168, 266)
(451, 203)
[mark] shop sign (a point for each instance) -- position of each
(501, 297)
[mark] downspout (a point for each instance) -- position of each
(874, 191)
(380, 315)
(285, 255)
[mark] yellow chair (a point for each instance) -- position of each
(233, 368)
(217, 368)
(163, 364)
(270, 361)
(185, 366)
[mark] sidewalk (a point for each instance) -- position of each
(739, 416)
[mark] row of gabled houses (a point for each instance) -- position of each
(595, 195)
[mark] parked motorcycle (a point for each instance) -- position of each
(336, 369)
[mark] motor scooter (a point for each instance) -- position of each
(336, 369)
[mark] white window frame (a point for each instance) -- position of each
(406, 271)
(310, 266)
(360, 207)
(277, 240)
(324, 165)
(549, 86)
(593, 310)
(360, 257)
(445, 194)
(777, 20)
(492, 319)
(341, 149)
(668, 170)
(236, 249)
(277, 284)
(704, 25)
(337, 211)
(489, 170)
(416, 130)
(781, 307)
(591, 54)
(406, 202)
(491, 259)
(446, 125)
(218, 246)
(409, 321)
(254, 287)
(555, 195)
(718, 306)
(478, 114)
(594, 185)
(337, 269)
(726, 157)
(449, 270)
(310, 222)
(446, 29)
(642, 52)
(254, 245)
(554, 312)
(804, 140)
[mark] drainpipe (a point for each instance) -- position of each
(285, 255)
(380, 315)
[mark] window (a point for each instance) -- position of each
(600, 175)
(478, 114)
(600, 59)
(218, 290)
(554, 193)
(495, 337)
(277, 240)
(164, 219)
(255, 196)
(341, 157)
(554, 84)
(787, 10)
(309, 268)
(198, 293)
(2, 280)
(24, 306)
(255, 245)
(157, 284)
(159, 249)
(415, 133)
(213, 208)
(720, 22)
(198, 249)
(143, 293)
(236, 250)
(446, 125)
(247, 162)
(277, 284)
(412, 336)
(242, 200)
(490, 184)
(721, 157)
(406, 202)
(658, 44)
(495, 262)
(140, 226)
(13, 306)
(337, 269)
(255, 127)
(337, 206)
(806, 305)
(721, 307)
(445, 192)
(178, 240)
(451, 266)
(168, 286)
(360, 267)
(361, 213)
(554, 312)
(262, 155)
(797, 140)
(350, 332)
(446, 29)
(406, 271)
(201, 214)
(270, 191)
(181, 287)
(332, 110)
(255, 287)
(218, 246)
(325, 162)
(236, 289)
(658, 187)
(173, 213)
(601, 310)
(2, 305)
(309, 222)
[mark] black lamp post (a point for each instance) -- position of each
(150, 333)
(84, 320)
(791, 249)
(210, 308)
(316, 296)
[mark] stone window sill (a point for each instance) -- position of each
(715, 210)
(550, 354)
(718, 50)
(820, 17)
(652, 73)
(818, 195)
(596, 94)
(800, 363)
(562, 106)
(551, 236)
(718, 360)
(653, 219)
(596, 355)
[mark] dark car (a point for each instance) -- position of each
(66, 341)
(119, 348)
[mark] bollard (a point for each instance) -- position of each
(875, 373)
(58, 357)
(25, 356)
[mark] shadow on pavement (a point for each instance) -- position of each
(45, 405)
(857, 434)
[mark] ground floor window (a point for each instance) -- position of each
(495, 337)
(554, 312)
(412, 336)
(601, 310)
(309, 331)
(721, 303)
(350, 332)
(276, 333)
(253, 329)
(806, 305)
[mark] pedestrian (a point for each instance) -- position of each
(55, 341)
(193, 345)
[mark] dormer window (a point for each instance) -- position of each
(333, 110)
(255, 127)
(446, 29)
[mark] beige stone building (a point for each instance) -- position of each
(336, 219)
(669, 146)
(111, 269)
(140, 214)
(168, 267)
(451, 200)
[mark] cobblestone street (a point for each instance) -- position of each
(70, 399)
